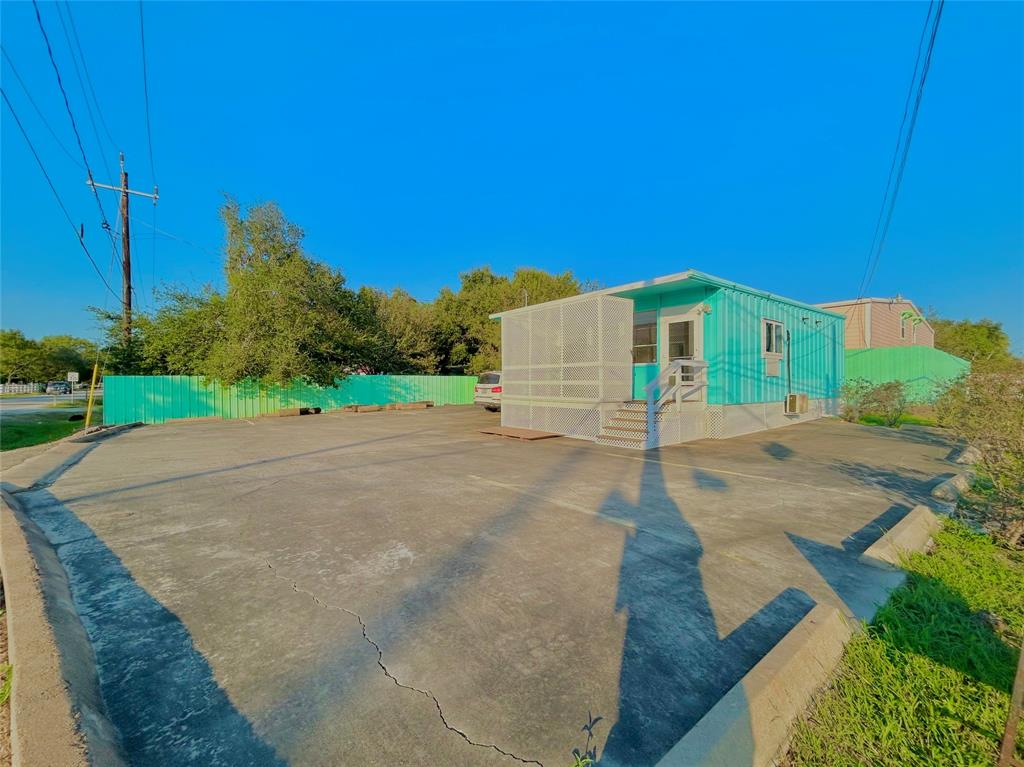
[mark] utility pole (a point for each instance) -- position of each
(126, 245)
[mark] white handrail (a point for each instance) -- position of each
(674, 367)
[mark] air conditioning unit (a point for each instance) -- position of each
(796, 404)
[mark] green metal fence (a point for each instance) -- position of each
(925, 371)
(155, 399)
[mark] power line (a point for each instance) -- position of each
(85, 93)
(60, 202)
(902, 150)
(149, 142)
(88, 77)
(896, 149)
(71, 116)
(145, 91)
(39, 112)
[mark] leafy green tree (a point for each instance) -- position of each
(285, 316)
(983, 343)
(405, 332)
(50, 358)
(19, 357)
(468, 339)
(177, 339)
(63, 354)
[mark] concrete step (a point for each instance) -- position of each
(639, 430)
(634, 443)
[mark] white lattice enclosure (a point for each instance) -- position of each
(563, 364)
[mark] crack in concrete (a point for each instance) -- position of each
(392, 677)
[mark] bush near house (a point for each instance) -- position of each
(986, 409)
(866, 402)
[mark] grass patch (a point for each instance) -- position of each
(907, 419)
(928, 682)
(78, 402)
(27, 429)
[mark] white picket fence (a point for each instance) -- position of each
(29, 388)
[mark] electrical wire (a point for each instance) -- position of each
(88, 77)
(145, 91)
(39, 112)
(71, 116)
(902, 148)
(60, 202)
(85, 93)
(149, 143)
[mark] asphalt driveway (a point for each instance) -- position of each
(395, 588)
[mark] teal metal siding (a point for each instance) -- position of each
(691, 294)
(155, 399)
(732, 348)
(924, 371)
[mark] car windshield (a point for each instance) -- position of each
(489, 378)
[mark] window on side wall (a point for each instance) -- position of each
(645, 337)
(773, 335)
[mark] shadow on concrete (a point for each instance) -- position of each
(158, 690)
(777, 450)
(403, 620)
(912, 484)
(705, 480)
(236, 467)
(674, 665)
(862, 587)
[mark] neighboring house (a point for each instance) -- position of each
(889, 339)
(668, 360)
(872, 323)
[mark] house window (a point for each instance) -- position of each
(645, 337)
(774, 333)
(772, 339)
(903, 327)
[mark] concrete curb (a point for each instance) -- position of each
(43, 727)
(103, 433)
(954, 487)
(751, 724)
(912, 533)
(57, 713)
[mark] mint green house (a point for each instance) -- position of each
(668, 360)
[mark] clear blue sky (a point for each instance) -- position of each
(416, 141)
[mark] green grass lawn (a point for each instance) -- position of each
(907, 419)
(928, 683)
(26, 429)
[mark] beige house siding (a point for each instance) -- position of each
(875, 322)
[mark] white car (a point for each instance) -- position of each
(487, 391)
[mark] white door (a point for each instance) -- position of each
(681, 337)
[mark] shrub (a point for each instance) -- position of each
(856, 395)
(987, 410)
(889, 400)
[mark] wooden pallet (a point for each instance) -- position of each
(524, 435)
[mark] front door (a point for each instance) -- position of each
(681, 338)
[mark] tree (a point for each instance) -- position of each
(983, 343)
(19, 357)
(63, 354)
(178, 338)
(405, 333)
(468, 338)
(285, 316)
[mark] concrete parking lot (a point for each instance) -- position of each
(396, 588)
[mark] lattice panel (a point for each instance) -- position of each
(572, 421)
(575, 354)
(714, 422)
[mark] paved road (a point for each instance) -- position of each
(396, 588)
(31, 403)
